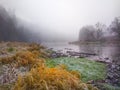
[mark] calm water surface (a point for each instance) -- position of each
(104, 51)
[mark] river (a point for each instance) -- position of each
(107, 51)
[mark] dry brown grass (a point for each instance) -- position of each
(44, 78)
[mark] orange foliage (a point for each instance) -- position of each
(44, 78)
(26, 58)
(22, 58)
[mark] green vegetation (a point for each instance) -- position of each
(90, 70)
(10, 49)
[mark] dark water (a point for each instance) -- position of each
(111, 52)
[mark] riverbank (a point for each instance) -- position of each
(111, 79)
(21, 63)
(96, 42)
(91, 71)
(23, 67)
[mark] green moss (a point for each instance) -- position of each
(10, 49)
(90, 70)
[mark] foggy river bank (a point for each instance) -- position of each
(105, 52)
(108, 54)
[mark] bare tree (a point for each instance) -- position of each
(87, 33)
(92, 33)
(115, 26)
(99, 34)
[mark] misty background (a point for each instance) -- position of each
(54, 20)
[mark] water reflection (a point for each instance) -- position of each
(111, 52)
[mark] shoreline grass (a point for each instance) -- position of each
(90, 70)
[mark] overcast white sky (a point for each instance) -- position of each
(64, 17)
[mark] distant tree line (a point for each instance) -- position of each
(11, 29)
(100, 32)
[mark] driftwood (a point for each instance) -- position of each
(80, 53)
(72, 54)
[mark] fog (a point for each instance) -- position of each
(61, 20)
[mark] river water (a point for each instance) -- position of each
(107, 51)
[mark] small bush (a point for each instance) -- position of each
(38, 48)
(23, 58)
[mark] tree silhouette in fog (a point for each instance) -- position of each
(92, 33)
(115, 26)
(10, 30)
